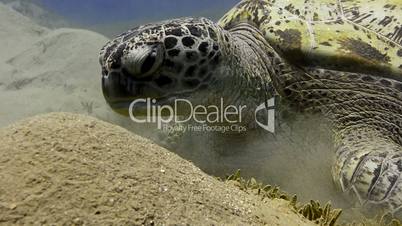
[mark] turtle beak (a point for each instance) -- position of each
(116, 93)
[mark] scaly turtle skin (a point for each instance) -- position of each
(361, 36)
(342, 59)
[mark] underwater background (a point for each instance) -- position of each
(111, 17)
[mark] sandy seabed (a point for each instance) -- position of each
(70, 169)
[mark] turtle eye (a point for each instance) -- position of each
(143, 61)
(149, 62)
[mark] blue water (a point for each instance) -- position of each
(96, 12)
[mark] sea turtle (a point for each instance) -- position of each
(338, 58)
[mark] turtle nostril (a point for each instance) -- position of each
(115, 64)
(149, 62)
(104, 72)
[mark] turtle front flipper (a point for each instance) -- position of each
(369, 166)
(366, 117)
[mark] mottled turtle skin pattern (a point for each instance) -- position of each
(341, 59)
(361, 36)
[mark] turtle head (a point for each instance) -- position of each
(162, 61)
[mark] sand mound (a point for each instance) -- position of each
(33, 10)
(69, 169)
(59, 72)
(46, 71)
(16, 32)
